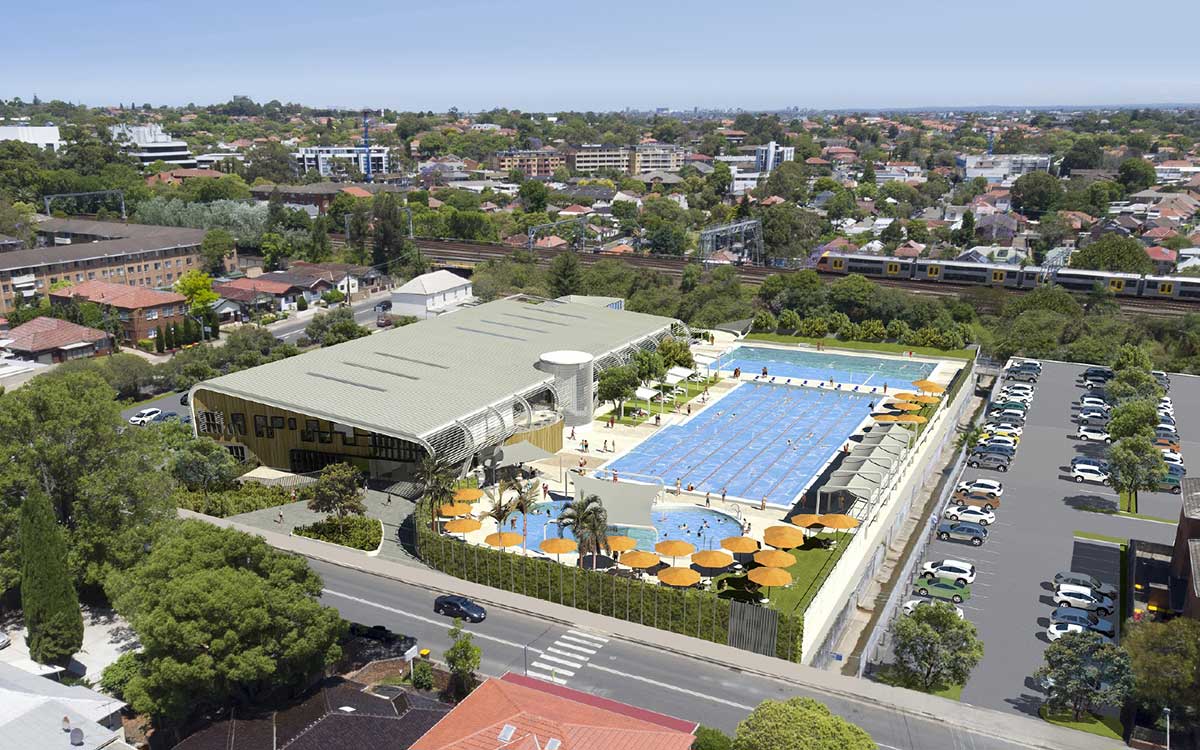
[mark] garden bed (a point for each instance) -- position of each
(356, 532)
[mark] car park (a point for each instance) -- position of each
(997, 440)
(953, 570)
(1059, 629)
(1172, 457)
(1166, 431)
(971, 513)
(989, 487)
(1015, 416)
(986, 436)
(1022, 375)
(940, 589)
(1072, 578)
(1096, 401)
(1082, 597)
(1002, 450)
(459, 607)
(1084, 619)
(1087, 473)
(988, 461)
(911, 606)
(144, 417)
(979, 500)
(1166, 444)
(1105, 373)
(1087, 432)
(962, 531)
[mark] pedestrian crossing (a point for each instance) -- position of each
(559, 661)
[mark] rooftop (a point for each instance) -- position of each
(46, 334)
(115, 239)
(433, 283)
(123, 296)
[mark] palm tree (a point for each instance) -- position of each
(437, 482)
(526, 498)
(588, 519)
(500, 510)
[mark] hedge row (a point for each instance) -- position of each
(356, 532)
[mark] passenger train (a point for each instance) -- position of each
(1185, 288)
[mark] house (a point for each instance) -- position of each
(432, 294)
(997, 228)
(37, 712)
(50, 340)
(909, 249)
(553, 242)
(141, 311)
(620, 249)
(521, 713)
(347, 278)
(285, 289)
(1077, 219)
(179, 176)
(574, 210)
(1163, 258)
(993, 254)
(1158, 234)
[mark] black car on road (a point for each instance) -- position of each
(452, 605)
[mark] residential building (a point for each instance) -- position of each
(1166, 577)
(771, 155)
(1163, 258)
(180, 176)
(347, 278)
(432, 294)
(319, 195)
(1003, 169)
(37, 712)
(50, 340)
(79, 250)
(141, 311)
(731, 136)
(10, 243)
(899, 171)
(45, 137)
(745, 179)
(285, 289)
(658, 157)
(595, 157)
(150, 143)
(1173, 171)
(521, 712)
(533, 163)
(331, 161)
(212, 160)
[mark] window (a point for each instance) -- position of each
(1166, 287)
(291, 423)
(394, 449)
(1116, 285)
(932, 271)
(997, 276)
(238, 420)
(260, 426)
(152, 314)
(277, 423)
(893, 268)
(309, 433)
(237, 451)
(210, 422)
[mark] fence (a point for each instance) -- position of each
(687, 611)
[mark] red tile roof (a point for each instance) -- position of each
(356, 192)
(123, 296)
(1161, 254)
(539, 712)
(257, 284)
(552, 241)
(47, 334)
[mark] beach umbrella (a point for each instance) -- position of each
(784, 537)
(740, 544)
(639, 559)
(839, 521)
(904, 396)
(770, 577)
(904, 406)
(884, 417)
(450, 510)
(804, 520)
(929, 386)
(467, 494)
(621, 543)
(927, 399)
(713, 558)
(674, 548)
(678, 576)
(503, 539)
(911, 419)
(558, 546)
(774, 558)
(462, 525)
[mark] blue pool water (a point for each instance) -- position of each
(740, 443)
(706, 527)
(798, 363)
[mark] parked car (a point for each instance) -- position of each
(1020, 406)
(1161, 378)
(1003, 450)
(962, 531)
(1167, 419)
(954, 570)
(1094, 411)
(1086, 473)
(453, 605)
(1093, 419)
(164, 416)
(988, 461)
(939, 589)
(987, 435)
(989, 487)
(183, 400)
(1166, 431)
(5, 641)
(978, 500)
(1019, 388)
(911, 606)
(1087, 432)
(1166, 444)
(1176, 470)
(971, 513)
(144, 417)
(1098, 463)
(1010, 427)
(997, 440)
(1059, 629)
(1030, 363)
(1172, 457)
(1022, 375)
(1096, 401)
(1171, 483)
(1083, 597)
(1105, 373)
(1014, 416)
(1084, 619)
(1083, 579)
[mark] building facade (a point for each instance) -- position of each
(331, 160)
(141, 311)
(1003, 168)
(594, 157)
(539, 163)
(770, 155)
(658, 157)
(150, 143)
(45, 137)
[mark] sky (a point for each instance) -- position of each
(569, 55)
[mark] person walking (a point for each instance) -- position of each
(707, 499)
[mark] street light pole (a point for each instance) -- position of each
(1167, 713)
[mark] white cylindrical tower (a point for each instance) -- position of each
(572, 371)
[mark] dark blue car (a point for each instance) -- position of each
(452, 605)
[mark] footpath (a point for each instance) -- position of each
(1027, 732)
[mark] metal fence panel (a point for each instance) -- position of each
(753, 628)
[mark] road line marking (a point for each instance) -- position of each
(554, 669)
(588, 651)
(557, 660)
(588, 635)
(676, 688)
(420, 618)
(589, 644)
(546, 677)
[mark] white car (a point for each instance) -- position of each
(1085, 473)
(997, 440)
(1092, 433)
(1172, 457)
(1059, 629)
(956, 512)
(1082, 597)
(145, 416)
(987, 486)
(1024, 398)
(1016, 429)
(1095, 401)
(911, 605)
(954, 570)
(4, 640)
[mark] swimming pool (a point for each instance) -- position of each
(843, 368)
(703, 527)
(760, 440)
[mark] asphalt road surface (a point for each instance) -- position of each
(364, 314)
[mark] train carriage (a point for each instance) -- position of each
(1084, 281)
(1161, 287)
(867, 265)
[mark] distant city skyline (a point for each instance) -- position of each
(542, 56)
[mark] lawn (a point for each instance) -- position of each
(813, 563)
(629, 408)
(887, 676)
(868, 346)
(1108, 727)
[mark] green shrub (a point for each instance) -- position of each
(764, 322)
(708, 738)
(248, 497)
(146, 345)
(356, 532)
(813, 328)
(301, 304)
(422, 675)
(333, 296)
(118, 674)
(871, 330)
(789, 321)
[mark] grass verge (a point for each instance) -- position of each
(866, 346)
(813, 563)
(888, 676)
(1108, 727)
(1101, 537)
(629, 408)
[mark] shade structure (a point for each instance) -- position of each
(911, 419)
(839, 521)
(774, 558)
(804, 520)
(467, 494)
(503, 539)
(713, 558)
(558, 546)
(904, 396)
(770, 577)
(740, 544)
(678, 576)
(784, 537)
(454, 509)
(904, 406)
(926, 399)
(639, 559)
(674, 548)
(929, 386)
(462, 525)
(884, 417)
(621, 543)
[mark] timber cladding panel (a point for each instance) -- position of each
(547, 437)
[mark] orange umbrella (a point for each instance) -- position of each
(911, 419)
(928, 385)
(673, 548)
(774, 558)
(462, 525)
(640, 559)
(885, 417)
(621, 543)
(904, 396)
(558, 545)
(468, 494)
(784, 537)
(804, 520)
(678, 576)
(770, 577)
(504, 539)
(927, 399)
(713, 558)
(904, 406)
(739, 544)
(839, 521)
(455, 509)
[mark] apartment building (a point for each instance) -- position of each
(595, 157)
(332, 160)
(150, 143)
(1003, 169)
(45, 137)
(77, 251)
(899, 171)
(771, 154)
(534, 163)
(658, 157)
(141, 311)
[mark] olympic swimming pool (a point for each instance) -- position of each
(759, 440)
(843, 368)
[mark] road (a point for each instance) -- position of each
(291, 329)
(690, 689)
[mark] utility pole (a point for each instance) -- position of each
(367, 144)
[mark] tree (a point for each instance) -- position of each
(798, 724)
(648, 365)
(534, 195)
(565, 275)
(1133, 385)
(160, 344)
(197, 287)
(676, 353)
(202, 464)
(437, 485)
(587, 519)
(334, 327)
(790, 232)
(1133, 418)
(1165, 659)
(1036, 193)
(1134, 464)
(463, 658)
(764, 322)
(270, 161)
(708, 738)
(617, 384)
(1085, 153)
(1136, 174)
(1134, 357)
(1113, 253)
(934, 648)
(223, 619)
(338, 490)
(893, 233)
(1083, 672)
(965, 234)
(48, 600)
